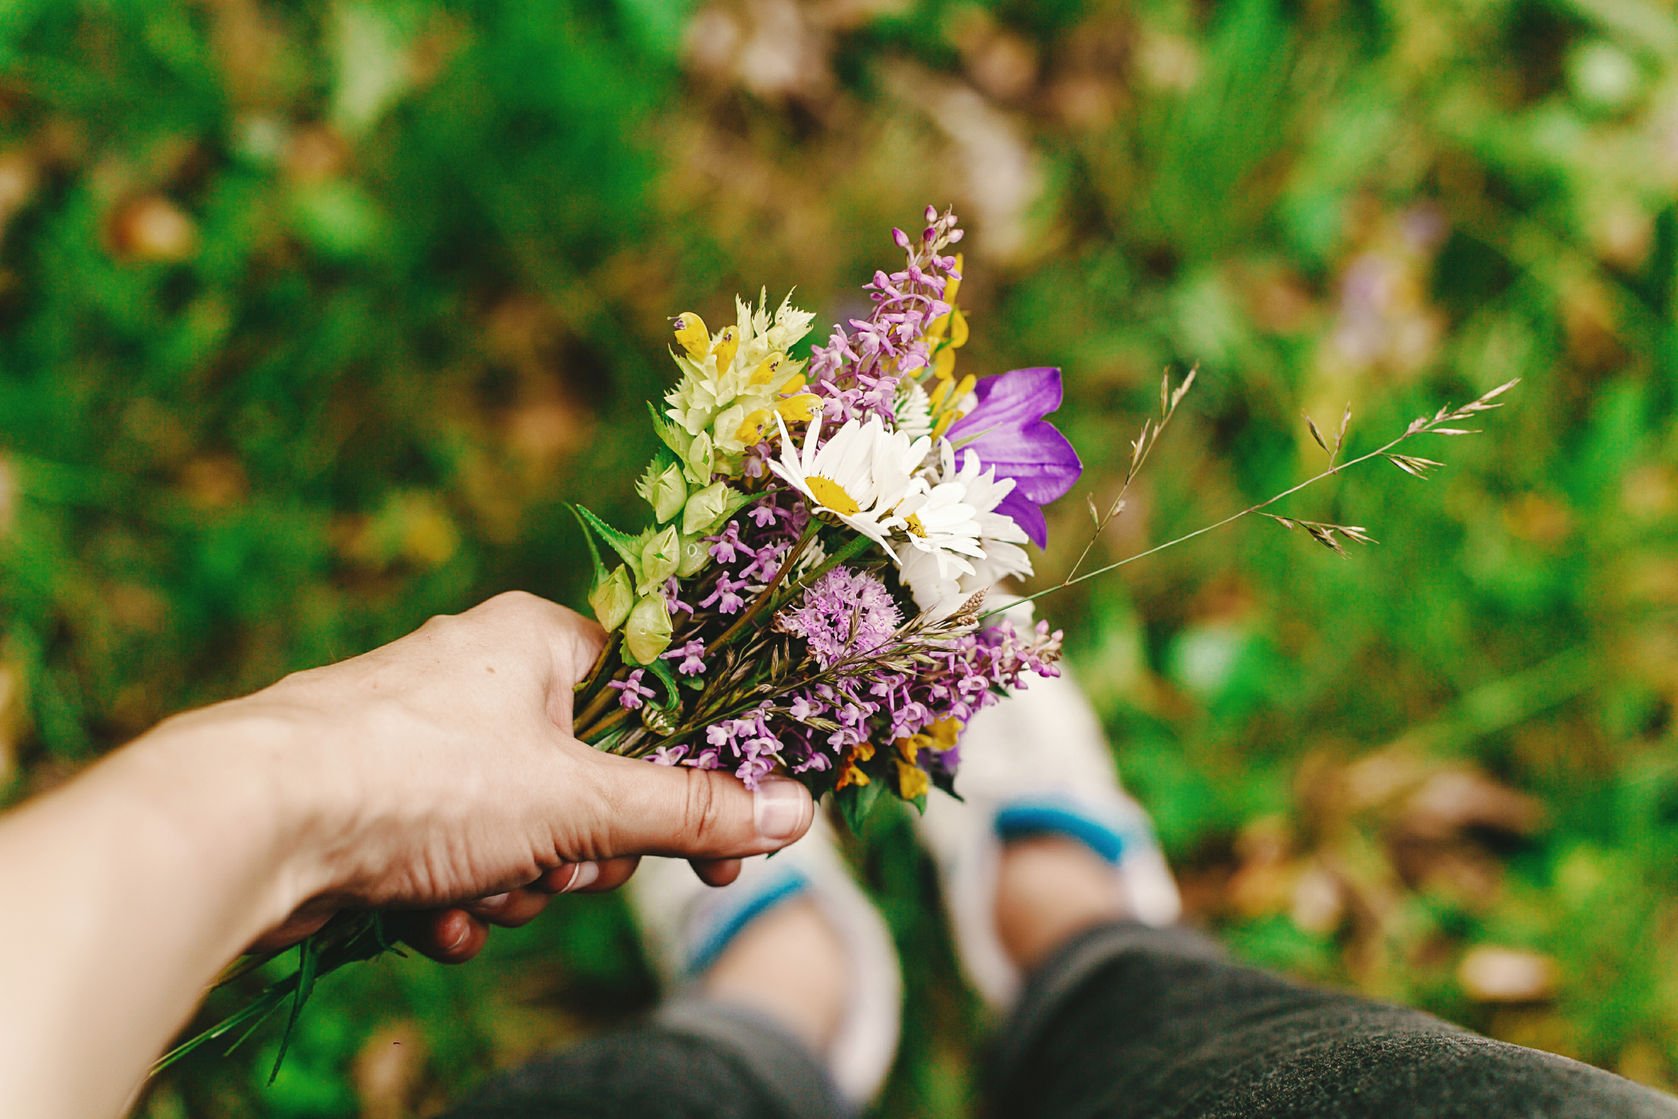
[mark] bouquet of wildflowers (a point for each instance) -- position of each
(809, 597)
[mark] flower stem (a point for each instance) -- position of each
(1073, 579)
(763, 600)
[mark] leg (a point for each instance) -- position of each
(1118, 1019)
(787, 1004)
(735, 1049)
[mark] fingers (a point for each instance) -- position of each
(696, 813)
(511, 909)
(716, 872)
(449, 936)
(456, 933)
(589, 878)
(517, 907)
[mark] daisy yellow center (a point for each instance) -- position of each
(833, 496)
(914, 525)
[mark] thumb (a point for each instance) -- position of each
(697, 813)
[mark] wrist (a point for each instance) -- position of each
(233, 779)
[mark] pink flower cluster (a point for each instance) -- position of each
(859, 369)
(844, 618)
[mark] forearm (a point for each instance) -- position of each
(125, 892)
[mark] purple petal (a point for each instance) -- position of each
(1007, 431)
(1013, 399)
(1020, 509)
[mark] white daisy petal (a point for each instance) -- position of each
(959, 543)
(858, 476)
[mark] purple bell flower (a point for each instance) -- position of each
(1006, 429)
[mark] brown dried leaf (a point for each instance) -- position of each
(1455, 800)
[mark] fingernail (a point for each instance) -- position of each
(778, 807)
(465, 927)
(494, 901)
(582, 876)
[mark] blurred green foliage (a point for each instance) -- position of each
(312, 316)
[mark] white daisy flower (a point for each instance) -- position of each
(914, 409)
(860, 475)
(967, 546)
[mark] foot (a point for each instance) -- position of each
(792, 939)
(1048, 890)
(787, 965)
(1045, 844)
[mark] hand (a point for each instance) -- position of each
(439, 773)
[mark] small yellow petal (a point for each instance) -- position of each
(691, 334)
(944, 364)
(936, 328)
(912, 781)
(963, 387)
(863, 751)
(753, 426)
(801, 408)
(953, 284)
(945, 732)
(958, 328)
(850, 775)
(727, 344)
(767, 368)
(935, 398)
(945, 422)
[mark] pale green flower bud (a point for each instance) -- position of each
(647, 633)
(611, 598)
(701, 458)
(696, 554)
(666, 490)
(707, 508)
(660, 556)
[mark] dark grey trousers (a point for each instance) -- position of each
(1125, 1021)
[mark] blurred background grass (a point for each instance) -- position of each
(312, 316)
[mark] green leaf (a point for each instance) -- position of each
(663, 485)
(308, 962)
(857, 801)
(661, 668)
(622, 543)
(593, 551)
(669, 434)
(947, 782)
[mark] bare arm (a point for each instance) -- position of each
(429, 773)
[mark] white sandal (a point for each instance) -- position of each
(1036, 762)
(686, 925)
